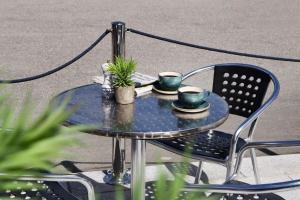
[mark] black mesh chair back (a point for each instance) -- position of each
(242, 86)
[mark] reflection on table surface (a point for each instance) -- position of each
(150, 116)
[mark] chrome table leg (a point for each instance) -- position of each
(138, 161)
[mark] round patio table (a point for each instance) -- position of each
(150, 117)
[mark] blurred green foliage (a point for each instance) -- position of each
(27, 146)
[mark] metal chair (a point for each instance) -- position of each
(243, 86)
(233, 190)
(46, 187)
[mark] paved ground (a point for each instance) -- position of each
(37, 35)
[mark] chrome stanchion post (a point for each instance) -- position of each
(119, 176)
(118, 160)
(118, 31)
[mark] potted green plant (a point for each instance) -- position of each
(122, 71)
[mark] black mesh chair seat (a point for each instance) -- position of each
(267, 196)
(151, 190)
(37, 190)
(213, 144)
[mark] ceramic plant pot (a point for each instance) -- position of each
(124, 95)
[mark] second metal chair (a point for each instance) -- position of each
(243, 86)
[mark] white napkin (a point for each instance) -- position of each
(143, 90)
(98, 79)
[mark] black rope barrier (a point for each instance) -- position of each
(61, 66)
(212, 49)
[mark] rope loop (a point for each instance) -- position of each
(31, 78)
(210, 48)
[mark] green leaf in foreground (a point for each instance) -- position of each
(170, 189)
(27, 146)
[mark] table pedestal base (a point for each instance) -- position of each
(118, 175)
(112, 179)
(137, 176)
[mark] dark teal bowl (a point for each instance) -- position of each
(192, 97)
(170, 81)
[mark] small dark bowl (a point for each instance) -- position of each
(192, 97)
(170, 81)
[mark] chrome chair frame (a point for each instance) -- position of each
(261, 144)
(251, 121)
(61, 178)
(250, 189)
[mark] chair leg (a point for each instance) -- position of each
(255, 167)
(198, 173)
(228, 173)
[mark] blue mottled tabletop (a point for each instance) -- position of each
(149, 117)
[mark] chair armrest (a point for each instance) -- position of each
(254, 116)
(61, 178)
(262, 144)
(196, 71)
(244, 189)
(266, 144)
